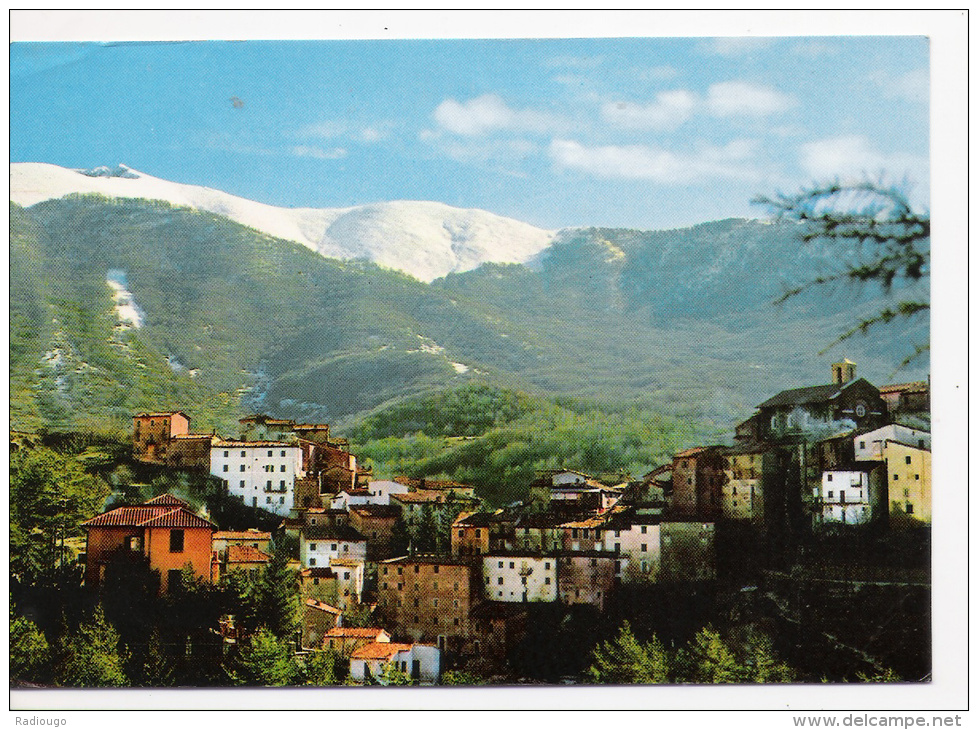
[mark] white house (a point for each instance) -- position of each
(320, 545)
(853, 494)
(636, 545)
(349, 580)
(260, 473)
(520, 578)
(421, 662)
(870, 446)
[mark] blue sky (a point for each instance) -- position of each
(642, 133)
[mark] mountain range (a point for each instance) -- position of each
(425, 239)
(142, 299)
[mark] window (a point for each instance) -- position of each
(281, 500)
(415, 602)
(242, 484)
(283, 454)
(312, 561)
(828, 477)
(282, 468)
(176, 541)
(500, 580)
(315, 582)
(435, 567)
(269, 484)
(896, 477)
(135, 544)
(523, 579)
(268, 500)
(862, 444)
(546, 581)
(434, 603)
(225, 467)
(908, 459)
(645, 548)
(346, 575)
(281, 484)
(500, 563)
(269, 453)
(241, 468)
(831, 494)
(385, 570)
(456, 622)
(243, 453)
(333, 547)
(546, 566)
(512, 566)
(461, 533)
(225, 454)
(455, 586)
(909, 508)
(645, 529)
(916, 477)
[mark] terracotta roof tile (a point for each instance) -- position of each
(246, 554)
(242, 535)
(325, 607)
(379, 650)
(167, 499)
(343, 632)
(159, 515)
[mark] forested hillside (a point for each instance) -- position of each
(676, 323)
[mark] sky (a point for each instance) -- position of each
(645, 133)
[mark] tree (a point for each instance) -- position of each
(709, 659)
(888, 244)
(50, 494)
(29, 651)
(325, 668)
(268, 661)
(627, 661)
(275, 598)
(394, 677)
(90, 657)
(427, 535)
(459, 677)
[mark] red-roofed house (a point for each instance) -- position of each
(422, 662)
(347, 640)
(164, 530)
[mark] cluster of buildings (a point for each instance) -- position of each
(824, 455)
(450, 579)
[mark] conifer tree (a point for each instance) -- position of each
(884, 241)
(90, 657)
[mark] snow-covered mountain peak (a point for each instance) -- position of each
(425, 239)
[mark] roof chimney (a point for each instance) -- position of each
(843, 372)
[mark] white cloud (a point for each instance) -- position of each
(739, 98)
(910, 86)
(670, 109)
(319, 153)
(641, 162)
(853, 157)
(489, 113)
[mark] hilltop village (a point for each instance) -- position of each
(418, 576)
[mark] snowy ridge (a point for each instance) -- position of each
(425, 239)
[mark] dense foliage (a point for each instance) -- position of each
(501, 460)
